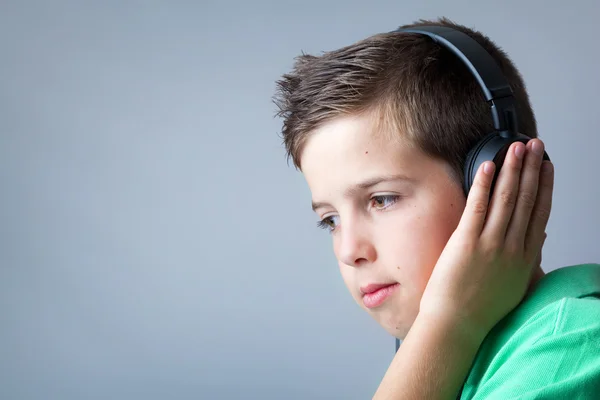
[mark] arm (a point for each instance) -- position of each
(481, 275)
(432, 362)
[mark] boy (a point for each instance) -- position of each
(381, 129)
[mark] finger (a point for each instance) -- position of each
(526, 199)
(541, 211)
(505, 193)
(476, 207)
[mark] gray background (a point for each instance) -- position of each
(155, 244)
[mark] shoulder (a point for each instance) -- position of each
(568, 324)
(565, 334)
(577, 317)
(555, 353)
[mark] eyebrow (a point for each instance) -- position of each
(369, 183)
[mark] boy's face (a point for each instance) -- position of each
(391, 210)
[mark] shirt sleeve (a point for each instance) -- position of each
(564, 363)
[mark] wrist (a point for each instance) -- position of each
(433, 360)
(457, 329)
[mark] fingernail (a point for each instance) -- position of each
(547, 167)
(519, 151)
(538, 148)
(488, 168)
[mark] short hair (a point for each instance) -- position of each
(414, 85)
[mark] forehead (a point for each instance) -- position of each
(351, 148)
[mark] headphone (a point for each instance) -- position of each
(497, 92)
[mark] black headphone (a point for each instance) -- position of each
(497, 92)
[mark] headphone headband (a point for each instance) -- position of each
(484, 68)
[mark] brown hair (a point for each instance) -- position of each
(418, 88)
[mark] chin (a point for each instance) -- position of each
(393, 324)
(397, 332)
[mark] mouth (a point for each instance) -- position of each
(375, 295)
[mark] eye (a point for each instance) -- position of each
(384, 201)
(328, 223)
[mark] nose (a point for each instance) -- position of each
(356, 247)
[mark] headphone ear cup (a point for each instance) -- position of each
(492, 147)
(474, 160)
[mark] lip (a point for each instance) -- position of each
(376, 294)
(373, 287)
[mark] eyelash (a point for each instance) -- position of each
(324, 223)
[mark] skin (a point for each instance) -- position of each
(459, 264)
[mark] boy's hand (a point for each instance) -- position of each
(485, 269)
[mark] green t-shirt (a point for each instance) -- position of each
(546, 348)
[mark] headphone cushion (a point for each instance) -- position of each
(493, 147)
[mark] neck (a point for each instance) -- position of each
(538, 273)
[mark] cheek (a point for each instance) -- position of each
(417, 241)
(413, 252)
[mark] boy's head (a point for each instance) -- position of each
(380, 130)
